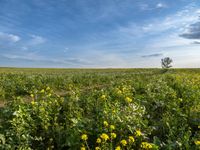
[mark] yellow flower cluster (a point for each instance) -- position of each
(104, 136)
(146, 145)
(113, 135)
(83, 148)
(112, 127)
(98, 140)
(131, 139)
(118, 148)
(138, 133)
(84, 137)
(197, 142)
(103, 97)
(97, 148)
(128, 100)
(48, 88)
(123, 142)
(105, 123)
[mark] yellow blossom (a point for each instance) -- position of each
(103, 97)
(97, 148)
(199, 126)
(123, 142)
(32, 95)
(128, 99)
(197, 142)
(146, 145)
(84, 137)
(113, 135)
(48, 88)
(112, 127)
(119, 92)
(138, 133)
(105, 123)
(83, 148)
(131, 139)
(42, 91)
(98, 140)
(33, 102)
(118, 148)
(104, 136)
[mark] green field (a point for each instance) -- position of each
(93, 109)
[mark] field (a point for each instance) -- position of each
(99, 109)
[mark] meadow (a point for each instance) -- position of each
(99, 109)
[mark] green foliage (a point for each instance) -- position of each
(100, 109)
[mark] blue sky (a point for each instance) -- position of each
(99, 33)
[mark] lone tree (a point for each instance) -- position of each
(166, 62)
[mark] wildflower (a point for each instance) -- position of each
(97, 148)
(118, 148)
(42, 91)
(112, 127)
(104, 136)
(199, 126)
(113, 135)
(146, 145)
(119, 91)
(32, 95)
(33, 102)
(197, 142)
(138, 133)
(123, 142)
(98, 140)
(128, 99)
(48, 88)
(84, 137)
(83, 148)
(131, 139)
(105, 123)
(103, 97)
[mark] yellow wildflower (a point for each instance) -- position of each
(33, 102)
(199, 126)
(131, 139)
(48, 88)
(138, 133)
(118, 148)
(97, 148)
(146, 145)
(84, 137)
(32, 95)
(42, 91)
(83, 148)
(119, 92)
(112, 127)
(123, 142)
(98, 140)
(103, 97)
(128, 100)
(197, 142)
(104, 136)
(113, 135)
(105, 123)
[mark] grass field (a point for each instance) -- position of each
(93, 109)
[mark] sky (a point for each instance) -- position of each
(99, 33)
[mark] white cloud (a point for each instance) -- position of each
(176, 22)
(9, 37)
(36, 40)
(161, 5)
